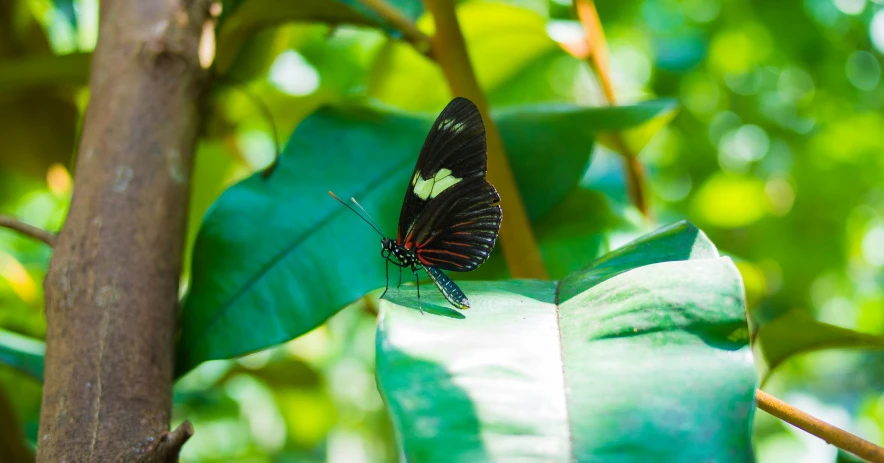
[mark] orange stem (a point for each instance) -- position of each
(825, 431)
(600, 64)
(598, 46)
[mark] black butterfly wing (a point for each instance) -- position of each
(458, 230)
(454, 151)
(450, 216)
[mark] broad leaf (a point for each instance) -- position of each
(22, 353)
(644, 356)
(796, 332)
(636, 138)
(275, 258)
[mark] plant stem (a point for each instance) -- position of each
(421, 42)
(598, 61)
(28, 230)
(825, 431)
(598, 46)
(517, 238)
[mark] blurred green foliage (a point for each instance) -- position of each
(776, 154)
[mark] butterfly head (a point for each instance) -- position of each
(387, 246)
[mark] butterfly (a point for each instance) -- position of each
(450, 215)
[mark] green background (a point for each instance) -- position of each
(775, 152)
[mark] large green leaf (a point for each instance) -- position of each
(644, 356)
(274, 258)
(22, 353)
(796, 332)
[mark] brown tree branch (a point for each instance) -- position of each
(167, 447)
(519, 245)
(112, 285)
(598, 45)
(597, 57)
(28, 230)
(825, 431)
(420, 41)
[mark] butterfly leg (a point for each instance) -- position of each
(417, 285)
(387, 272)
(400, 277)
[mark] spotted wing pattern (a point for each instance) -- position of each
(450, 217)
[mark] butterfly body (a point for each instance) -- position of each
(405, 258)
(450, 215)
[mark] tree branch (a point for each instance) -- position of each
(519, 245)
(420, 41)
(825, 431)
(167, 447)
(598, 46)
(112, 285)
(28, 230)
(597, 57)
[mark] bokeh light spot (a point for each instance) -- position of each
(740, 147)
(701, 10)
(59, 180)
(738, 51)
(730, 201)
(795, 84)
(876, 31)
(873, 245)
(293, 74)
(863, 70)
(851, 7)
(630, 68)
(780, 195)
(19, 280)
(700, 94)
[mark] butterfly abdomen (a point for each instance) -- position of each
(448, 288)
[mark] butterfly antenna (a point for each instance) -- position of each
(364, 211)
(369, 222)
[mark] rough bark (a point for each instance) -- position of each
(112, 285)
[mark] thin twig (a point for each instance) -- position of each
(29, 230)
(168, 446)
(597, 58)
(421, 42)
(635, 174)
(598, 46)
(825, 431)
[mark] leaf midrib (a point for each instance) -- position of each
(286, 250)
(556, 301)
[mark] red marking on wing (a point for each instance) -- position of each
(408, 244)
(433, 262)
(425, 243)
(442, 251)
